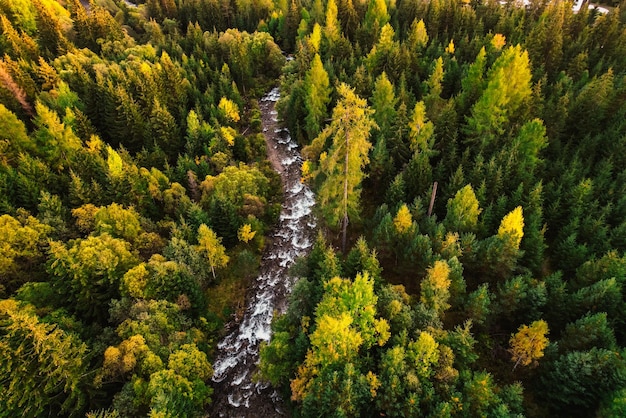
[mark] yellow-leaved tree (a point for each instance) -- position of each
(245, 233)
(229, 109)
(436, 287)
(513, 226)
(403, 220)
(528, 344)
(211, 245)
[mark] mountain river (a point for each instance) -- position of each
(237, 392)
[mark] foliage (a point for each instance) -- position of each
(132, 167)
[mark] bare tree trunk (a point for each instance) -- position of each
(432, 199)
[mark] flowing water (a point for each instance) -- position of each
(237, 393)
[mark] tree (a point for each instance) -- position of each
(342, 167)
(508, 88)
(89, 272)
(229, 110)
(512, 227)
(463, 211)
(211, 245)
(332, 377)
(583, 379)
(403, 220)
(118, 222)
(245, 233)
(332, 29)
(417, 38)
(528, 344)
(384, 103)
(422, 130)
(42, 367)
(317, 90)
(435, 288)
(592, 330)
(21, 243)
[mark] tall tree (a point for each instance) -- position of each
(317, 87)
(342, 167)
(508, 88)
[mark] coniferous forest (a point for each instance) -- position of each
(468, 159)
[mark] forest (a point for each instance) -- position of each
(468, 159)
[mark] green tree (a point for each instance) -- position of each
(583, 379)
(592, 330)
(342, 167)
(317, 88)
(508, 88)
(88, 273)
(463, 211)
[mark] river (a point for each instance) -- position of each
(237, 393)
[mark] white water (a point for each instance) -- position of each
(238, 356)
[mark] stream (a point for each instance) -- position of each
(237, 392)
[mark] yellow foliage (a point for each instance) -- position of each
(403, 220)
(450, 245)
(114, 162)
(528, 344)
(95, 144)
(229, 108)
(435, 287)
(334, 339)
(498, 41)
(513, 226)
(228, 134)
(211, 245)
(245, 233)
(450, 47)
(374, 383)
(306, 171)
(85, 217)
(315, 38)
(135, 281)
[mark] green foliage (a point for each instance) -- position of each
(317, 87)
(342, 166)
(463, 211)
(42, 368)
(583, 379)
(137, 121)
(90, 270)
